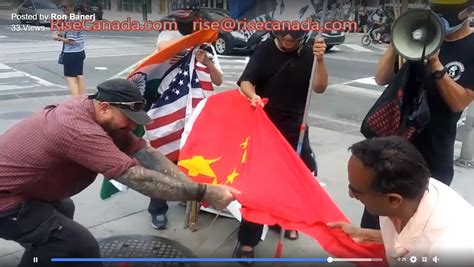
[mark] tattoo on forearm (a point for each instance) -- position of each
(151, 159)
(159, 185)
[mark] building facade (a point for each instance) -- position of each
(158, 6)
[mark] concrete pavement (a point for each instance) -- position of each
(126, 213)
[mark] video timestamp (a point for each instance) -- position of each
(27, 28)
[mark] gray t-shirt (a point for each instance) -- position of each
(78, 45)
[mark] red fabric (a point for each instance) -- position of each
(276, 186)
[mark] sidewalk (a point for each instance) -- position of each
(126, 214)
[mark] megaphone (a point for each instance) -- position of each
(417, 34)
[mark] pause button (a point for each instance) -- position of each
(35, 259)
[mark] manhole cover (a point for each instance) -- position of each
(144, 246)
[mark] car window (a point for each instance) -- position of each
(45, 5)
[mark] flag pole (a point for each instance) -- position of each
(279, 249)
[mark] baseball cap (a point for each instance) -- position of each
(126, 96)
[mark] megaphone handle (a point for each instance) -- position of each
(425, 41)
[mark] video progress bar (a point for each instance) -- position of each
(329, 259)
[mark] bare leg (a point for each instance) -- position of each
(81, 84)
(73, 86)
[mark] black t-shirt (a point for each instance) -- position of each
(287, 91)
(436, 141)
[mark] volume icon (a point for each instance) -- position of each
(35, 259)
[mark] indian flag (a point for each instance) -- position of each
(148, 75)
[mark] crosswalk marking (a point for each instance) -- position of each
(39, 80)
(368, 80)
(9, 80)
(12, 74)
(4, 67)
(357, 48)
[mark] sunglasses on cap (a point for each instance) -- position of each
(294, 34)
(133, 106)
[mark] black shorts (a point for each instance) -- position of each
(74, 63)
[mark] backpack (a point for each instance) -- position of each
(402, 109)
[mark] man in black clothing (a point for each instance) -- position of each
(280, 70)
(449, 89)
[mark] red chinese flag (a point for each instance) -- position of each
(230, 142)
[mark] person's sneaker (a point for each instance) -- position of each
(245, 254)
(159, 222)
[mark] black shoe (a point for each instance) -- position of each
(241, 254)
(159, 221)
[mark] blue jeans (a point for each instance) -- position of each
(46, 230)
(157, 206)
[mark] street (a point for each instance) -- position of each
(29, 68)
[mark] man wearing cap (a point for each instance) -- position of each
(184, 14)
(280, 70)
(58, 152)
(449, 89)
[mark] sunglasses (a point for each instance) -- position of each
(356, 194)
(298, 35)
(133, 106)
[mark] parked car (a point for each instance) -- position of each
(90, 7)
(238, 40)
(228, 42)
(35, 8)
(331, 38)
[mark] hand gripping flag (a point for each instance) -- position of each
(167, 126)
(229, 142)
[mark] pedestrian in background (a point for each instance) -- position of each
(363, 19)
(73, 54)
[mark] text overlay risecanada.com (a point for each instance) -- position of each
(227, 24)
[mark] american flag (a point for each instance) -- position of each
(171, 111)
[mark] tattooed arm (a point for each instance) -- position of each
(151, 159)
(166, 182)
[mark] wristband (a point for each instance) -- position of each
(201, 191)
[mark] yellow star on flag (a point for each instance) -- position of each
(244, 156)
(231, 177)
(198, 165)
(245, 143)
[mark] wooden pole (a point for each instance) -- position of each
(187, 214)
(193, 217)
